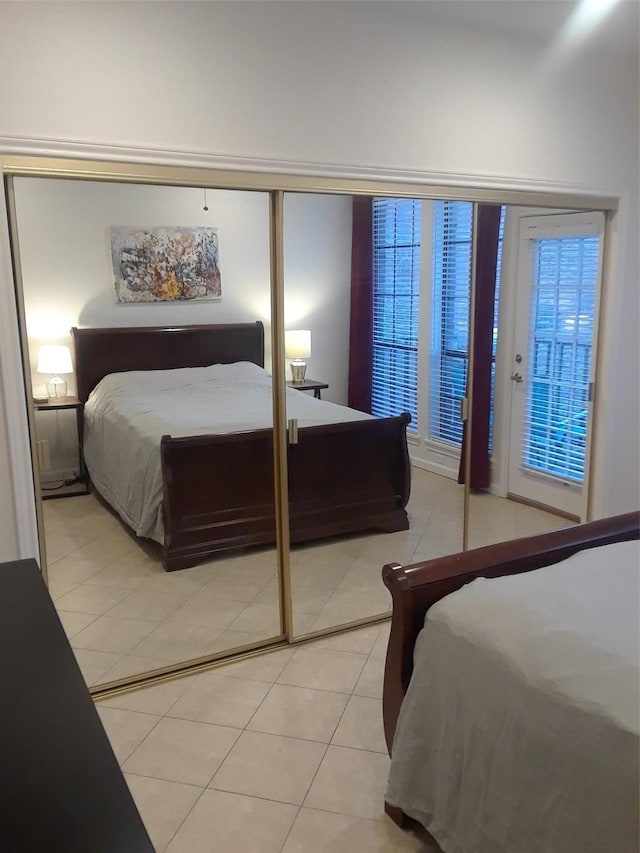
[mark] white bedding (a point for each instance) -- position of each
(520, 728)
(127, 414)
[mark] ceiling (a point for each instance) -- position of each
(539, 21)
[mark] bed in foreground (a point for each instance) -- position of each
(512, 718)
(197, 476)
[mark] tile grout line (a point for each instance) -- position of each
(244, 729)
(206, 788)
(328, 744)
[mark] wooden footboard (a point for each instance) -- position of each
(415, 588)
(343, 478)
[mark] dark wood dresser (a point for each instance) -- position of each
(61, 788)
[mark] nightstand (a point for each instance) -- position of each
(309, 385)
(81, 485)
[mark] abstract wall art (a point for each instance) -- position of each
(165, 264)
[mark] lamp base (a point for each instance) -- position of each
(56, 388)
(298, 370)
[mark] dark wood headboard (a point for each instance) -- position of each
(99, 352)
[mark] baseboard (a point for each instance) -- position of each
(58, 475)
(434, 468)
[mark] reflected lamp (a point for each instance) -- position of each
(297, 346)
(55, 360)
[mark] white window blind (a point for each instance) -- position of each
(561, 333)
(452, 243)
(496, 305)
(396, 295)
(452, 225)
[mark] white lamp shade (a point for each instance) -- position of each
(54, 359)
(297, 343)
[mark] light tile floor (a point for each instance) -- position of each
(125, 615)
(282, 752)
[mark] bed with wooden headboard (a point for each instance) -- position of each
(510, 699)
(218, 489)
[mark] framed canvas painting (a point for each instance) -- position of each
(165, 264)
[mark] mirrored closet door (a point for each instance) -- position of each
(405, 377)
(373, 336)
(120, 509)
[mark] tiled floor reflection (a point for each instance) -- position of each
(282, 752)
(124, 614)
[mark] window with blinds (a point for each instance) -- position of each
(496, 306)
(452, 227)
(396, 296)
(561, 333)
(452, 244)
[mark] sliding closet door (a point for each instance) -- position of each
(363, 490)
(95, 254)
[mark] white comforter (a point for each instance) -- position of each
(127, 414)
(520, 728)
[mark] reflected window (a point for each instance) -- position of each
(451, 295)
(565, 277)
(396, 296)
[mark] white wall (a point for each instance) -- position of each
(63, 229)
(317, 283)
(369, 88)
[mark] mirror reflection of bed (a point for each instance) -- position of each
(124, 613)
(212, 493)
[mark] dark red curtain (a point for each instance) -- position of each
(361, 323)
(488, 227)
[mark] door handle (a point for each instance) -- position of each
(292, 430)
(517, 377)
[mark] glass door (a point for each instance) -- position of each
(553, 359)
(543, 339)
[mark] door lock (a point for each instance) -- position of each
(518, 358)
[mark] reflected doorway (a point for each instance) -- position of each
(553, 360)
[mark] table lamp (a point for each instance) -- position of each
(297, 346)
(55, 360)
